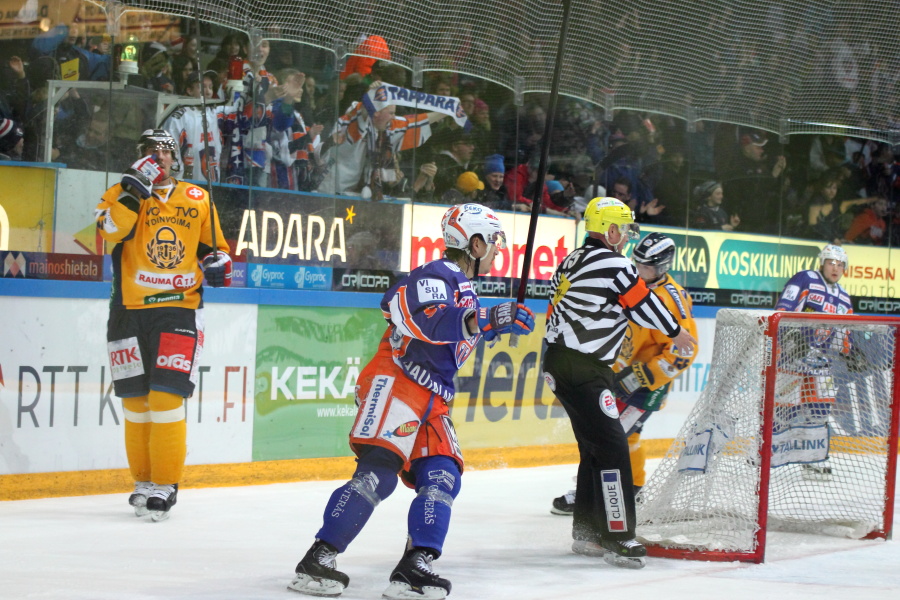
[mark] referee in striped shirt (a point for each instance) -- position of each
(593, 293)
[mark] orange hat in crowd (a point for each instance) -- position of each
(375, 48)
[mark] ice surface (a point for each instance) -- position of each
(243, 543)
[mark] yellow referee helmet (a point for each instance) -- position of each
(603, 212)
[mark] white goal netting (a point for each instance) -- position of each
(792, 66)
(829, 393)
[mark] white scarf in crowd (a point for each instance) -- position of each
(386, 95)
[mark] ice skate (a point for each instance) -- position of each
(564, 505)
(160, 500)
(138, 498)
(628, 554)
(413, 578)
(317, 575)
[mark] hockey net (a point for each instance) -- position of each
(796, 430)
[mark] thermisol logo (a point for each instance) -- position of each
(375, 402)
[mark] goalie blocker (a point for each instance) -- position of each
(735, 470)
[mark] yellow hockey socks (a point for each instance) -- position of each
(137, 436)
(638, 459)
(168, 437)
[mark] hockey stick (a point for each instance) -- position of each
(542, 166)
(212, 206)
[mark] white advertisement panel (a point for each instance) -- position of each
(57, 409)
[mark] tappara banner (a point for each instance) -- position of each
(390, 95)
(554, 240)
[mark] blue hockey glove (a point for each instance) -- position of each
(508, 317)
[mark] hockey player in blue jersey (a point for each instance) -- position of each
(807, 391)
(402, 424)
(819, 291)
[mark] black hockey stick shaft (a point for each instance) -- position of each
(207, 170)
(542, 166)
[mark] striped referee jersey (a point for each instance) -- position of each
(593, 295)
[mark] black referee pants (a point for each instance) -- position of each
(604, 502)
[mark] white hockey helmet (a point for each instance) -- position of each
(463, 221)
(835, 252)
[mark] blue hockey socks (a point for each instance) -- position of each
(437, 484)
(350, 506)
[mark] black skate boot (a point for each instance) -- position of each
(316, 574)
(628, 554)
(413, 578)
(564, 505)
(138, 498)
(160, 500)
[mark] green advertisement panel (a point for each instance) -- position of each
(693, 263)
(308, 360)
(762, 266)
(307, 363)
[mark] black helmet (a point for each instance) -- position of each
(655, 250)
(156, 139)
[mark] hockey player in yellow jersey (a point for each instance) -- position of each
(648, 361)
(162, 231)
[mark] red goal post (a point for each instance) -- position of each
(796, 430)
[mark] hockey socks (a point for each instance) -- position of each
(137, 437)
(437, 484)
(168, 437)
(350, 506)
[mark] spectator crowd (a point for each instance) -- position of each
(273, 114)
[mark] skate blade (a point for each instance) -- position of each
(588, 549)
(564, 513)
(624, 562)
(326, 588)
(141, 511)
(158, 515)
(403, 591)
